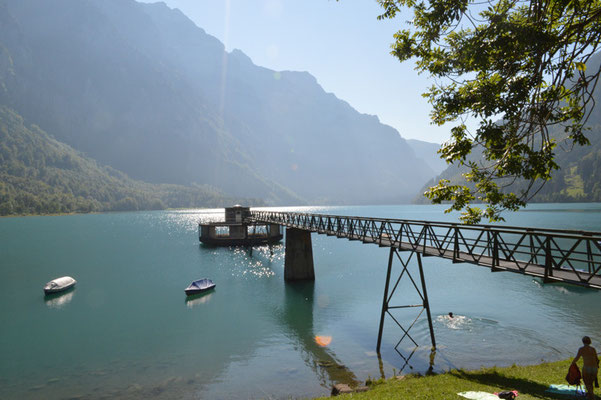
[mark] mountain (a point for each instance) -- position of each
(579, 176)
(39, 175)
(429, 153)
(140, 88)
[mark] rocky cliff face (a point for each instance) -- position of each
(139, 87)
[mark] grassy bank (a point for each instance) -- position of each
(530, 381)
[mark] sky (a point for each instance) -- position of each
(341, 43)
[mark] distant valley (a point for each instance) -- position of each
(151, 112)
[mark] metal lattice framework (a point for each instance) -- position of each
(421, 291)
(554, 255)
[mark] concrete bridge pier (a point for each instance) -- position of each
(298, 262)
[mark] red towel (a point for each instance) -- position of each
(573, 377)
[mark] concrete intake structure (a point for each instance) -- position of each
(237, 231)
(298, 262)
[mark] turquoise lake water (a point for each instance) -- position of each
(128, 331)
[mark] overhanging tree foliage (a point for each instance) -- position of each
(518, 67)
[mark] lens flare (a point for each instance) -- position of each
(323, 341)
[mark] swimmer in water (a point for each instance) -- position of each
(450, 315)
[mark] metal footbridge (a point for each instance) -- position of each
(568, 256)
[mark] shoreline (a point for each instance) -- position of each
(102, 212)
(531, 382)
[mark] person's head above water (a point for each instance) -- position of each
(586, 340)
(451, 315)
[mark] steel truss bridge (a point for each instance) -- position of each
(554, 255)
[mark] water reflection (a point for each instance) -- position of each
(406, 358)
(258, 263)
(297, 319)
(406, 355)
(513, 319)
(562, 210)
(59, 300)
(198, 299)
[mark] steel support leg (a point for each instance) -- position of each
(385, 300)
(426, 301)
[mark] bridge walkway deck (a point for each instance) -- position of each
(567, 256)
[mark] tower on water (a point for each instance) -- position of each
(236, 230)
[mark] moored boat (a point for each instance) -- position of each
(59, 284)
(199, 286)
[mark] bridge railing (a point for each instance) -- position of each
(535, 251)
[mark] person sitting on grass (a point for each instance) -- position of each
(590, 365)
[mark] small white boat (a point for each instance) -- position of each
(59, 284)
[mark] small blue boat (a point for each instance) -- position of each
(199, 286)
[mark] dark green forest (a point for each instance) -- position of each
(577, 180)
(39, 175)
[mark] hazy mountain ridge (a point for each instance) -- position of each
(105, 100)
(429, 153)
(140, 88)
(288, 113)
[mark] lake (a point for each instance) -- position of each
(128, 331)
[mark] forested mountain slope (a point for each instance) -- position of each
(142, 89)
(39, 175)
